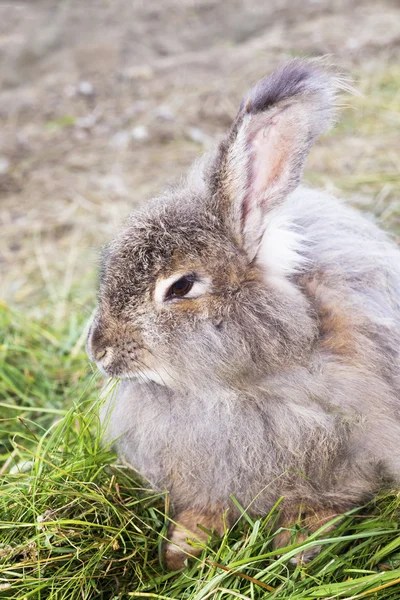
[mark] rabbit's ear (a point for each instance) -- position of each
(261, 160)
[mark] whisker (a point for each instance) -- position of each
(155, 370)
(164, 363)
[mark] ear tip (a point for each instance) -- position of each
(296, 78)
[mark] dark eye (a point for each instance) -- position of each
(181, 287)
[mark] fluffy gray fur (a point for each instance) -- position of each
(283, 377)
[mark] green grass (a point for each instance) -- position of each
(75, 523)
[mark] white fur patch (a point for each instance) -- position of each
(161, 376)
(281, 245)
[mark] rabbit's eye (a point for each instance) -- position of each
(181, 287)
(191, 285)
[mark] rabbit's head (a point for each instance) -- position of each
(197, 288)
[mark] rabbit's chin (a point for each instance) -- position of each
(161, 377)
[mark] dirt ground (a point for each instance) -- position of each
(103, 102)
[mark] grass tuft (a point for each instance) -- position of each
(75, 523)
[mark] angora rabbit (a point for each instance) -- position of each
(255, 325)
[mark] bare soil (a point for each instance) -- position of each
(103, 102)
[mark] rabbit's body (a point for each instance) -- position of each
(323, 432)
(256, 327)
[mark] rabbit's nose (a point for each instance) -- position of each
(100, 354)
(104, 357)
(96, 345)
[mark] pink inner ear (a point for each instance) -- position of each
(269, 150)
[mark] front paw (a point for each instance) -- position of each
(296, 528)
(178, 547)
(286, 538)
(177, 550)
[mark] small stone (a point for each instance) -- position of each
(48, 515)
(5, 586)
(22, 467)
(138, 72)
(4, 165)
(85, 88)
(139, 133)
(165, 112)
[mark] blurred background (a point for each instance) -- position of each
(104, 102)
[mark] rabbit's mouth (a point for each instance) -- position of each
(112, 363)
(126, 360)
(116, 354)
(141, 374)
(160, 376)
